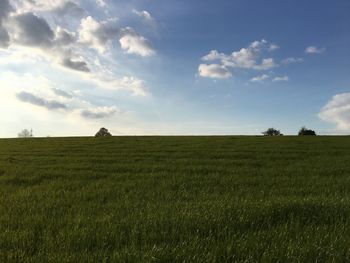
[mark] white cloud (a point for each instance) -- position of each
(144, 15)
(314, 50)
(273, 47)
(40, 5)
(129, 83)
(291, 60)
(215, 55)
(260, 78)
(337, 111)
(214, 71)
(98, 35)
(133, 43)
(281, 78)
(267, 63)
(248, 58)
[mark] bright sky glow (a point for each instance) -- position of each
(162, 67)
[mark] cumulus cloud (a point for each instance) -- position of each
(214, 71)
(97, 34)
(30, 37)
(133, 43)
(38, 101)
(314, 50)
(281, 78)
(63, 37)
(267, 63)
(40, 5)
(291, 60)
(260, 78)
(215, 55)
(248, 58)
(337, 111)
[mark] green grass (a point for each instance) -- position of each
(175, 199)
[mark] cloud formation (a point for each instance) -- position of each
(38, 101)
(260, 78)
(98, 35)
(314, 50)
(214, 71)
(248, 58)
(133, 43)
(26, 31)
(30, 30)
(291, 60)
(99, 112)
(337, 111)
(143, 14)
(281, 78)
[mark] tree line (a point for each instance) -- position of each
(274, 132)
(103, 132)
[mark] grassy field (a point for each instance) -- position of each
(175, 199)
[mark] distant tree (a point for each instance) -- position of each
(25, 133)
(103, 132)
(304, 131)
(272, 132)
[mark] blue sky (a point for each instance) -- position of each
(69, 67)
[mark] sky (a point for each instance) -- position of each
(166, 67)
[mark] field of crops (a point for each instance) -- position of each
(175, 199)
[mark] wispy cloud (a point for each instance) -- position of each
(314, 50)
(291, 60)
(260, 78)
(281, 78)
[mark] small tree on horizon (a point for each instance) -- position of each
(304, 131)
(272, 132)
(103, 132)
(25, 133)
